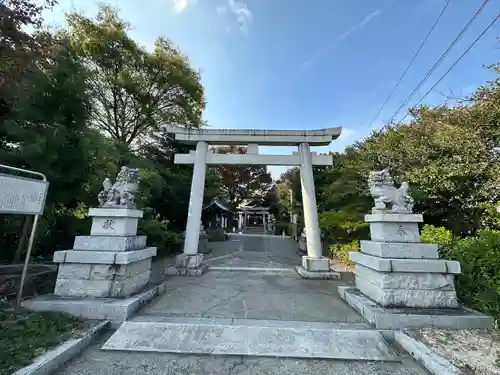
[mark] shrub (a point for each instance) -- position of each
(280, 227)
(435, 235)
(340, 252)
(479, 284)
(342, 227)
(173, 243)
(216, 235)
(167, 242)
(491, 216)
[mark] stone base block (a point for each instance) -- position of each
(109, 243)
(114, 226)
(405, 265)
(203, 245)
(419, 298)
(114, 272)
(413, 318)
(403, 250)
(318, 275)
(316, 264)
(302, 243)
(394, 227)
(101, 288)
(103, 257)
(188, 260)
(394, 232)
(102, 280)
(405, 280)
(174, 271)
(115, 212)
(114, 309)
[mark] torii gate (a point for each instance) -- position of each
(314, 264)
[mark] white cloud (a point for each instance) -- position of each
(179, 5)
(347, 133)
(325, 50)
(359, 25)
(240, 10)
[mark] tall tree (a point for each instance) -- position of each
(48, 133)
(169, 194)
(20, 52)
(135, 91)
(449, 155)
(242, 181)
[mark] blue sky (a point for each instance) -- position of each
(297, 64)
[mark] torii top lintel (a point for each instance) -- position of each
(321, 137)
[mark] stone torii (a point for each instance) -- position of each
(314, 264)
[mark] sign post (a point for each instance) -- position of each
(23, 196)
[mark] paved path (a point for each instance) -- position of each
(281, 297)
(250, 295)
(254, 251)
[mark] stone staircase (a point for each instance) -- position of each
(263, 338)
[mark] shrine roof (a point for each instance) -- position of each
(215, 202)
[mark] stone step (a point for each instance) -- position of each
(265, 270)
(255, 338)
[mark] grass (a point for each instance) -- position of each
(27, 334)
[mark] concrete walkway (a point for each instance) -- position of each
(247, 250)
(249, 295)
(272, 298)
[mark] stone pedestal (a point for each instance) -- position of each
(187, 265)
(303, 242)
(402, 283)
(191, 264)
(396, 270)
(112, 262)
(106, 274)
(317, 268)
(203, 244)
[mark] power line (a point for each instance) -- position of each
(456, 62)
(411, 62)
(440, 60)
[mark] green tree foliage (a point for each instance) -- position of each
(449, 155)
(134, 91)
(242, 181)
(287, 195)
(88, 95)
(20, 52)
(342, 226)
(169, 197)
(343, 185)
(479, 283)
(47, 132)
(439, 236)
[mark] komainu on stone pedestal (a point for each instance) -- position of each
(394, 269)
(388, 198)
(106, 275)
(121, 193)
(400, 282)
